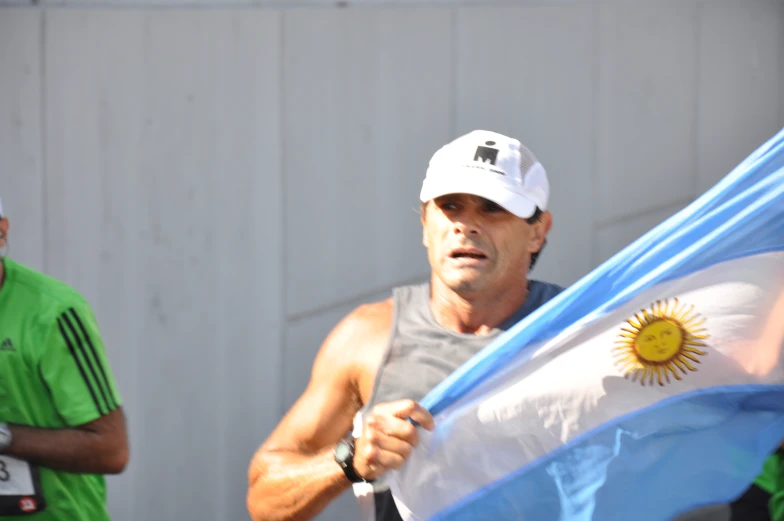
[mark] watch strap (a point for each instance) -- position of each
(5, 436)
(347, 464)
(351, 472)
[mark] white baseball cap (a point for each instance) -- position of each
(1, 209)
(490, 165)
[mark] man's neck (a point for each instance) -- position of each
(477, 313)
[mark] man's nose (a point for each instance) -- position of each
(467, 223)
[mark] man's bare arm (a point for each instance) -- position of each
(97, 447)
(293, 476)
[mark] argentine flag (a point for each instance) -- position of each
(652, 386)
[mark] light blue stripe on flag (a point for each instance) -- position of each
(616, 472)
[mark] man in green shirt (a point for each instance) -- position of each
(61, 422)
(774, 470)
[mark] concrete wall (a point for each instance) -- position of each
(224, 183)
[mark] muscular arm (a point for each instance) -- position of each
(293, 476)
(97, 447)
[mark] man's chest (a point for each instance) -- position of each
(19, 378)
(17, 344)
(412, 366)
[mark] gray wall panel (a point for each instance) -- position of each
(165, 153)
(528, 72)
(366, 104)
(647, 78)
(612, 238)
(741, 62)
(21, 161)
(93, 162)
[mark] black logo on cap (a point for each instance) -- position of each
(486, 154)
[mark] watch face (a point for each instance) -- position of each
(342, 451)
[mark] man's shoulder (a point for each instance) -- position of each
(370, 318)
(366, 325)
(355, 340)
(39, 290)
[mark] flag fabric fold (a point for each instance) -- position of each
(652, 386)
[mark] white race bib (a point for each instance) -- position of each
(20, 487)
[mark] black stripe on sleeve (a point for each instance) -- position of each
(78, 363)
(111, 402)
(80, 346)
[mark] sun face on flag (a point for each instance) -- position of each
(660, 342)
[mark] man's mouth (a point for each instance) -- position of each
(467, 253)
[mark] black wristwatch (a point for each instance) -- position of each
(344, 456)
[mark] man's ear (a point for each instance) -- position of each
(423, 220)
(540, 229)
(4, 225)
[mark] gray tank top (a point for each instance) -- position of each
(421, 353)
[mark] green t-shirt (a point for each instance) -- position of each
(776, 478)
(53, 374)
(767, 479)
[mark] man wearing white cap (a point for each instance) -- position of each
(61, 420)
(485, 221)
